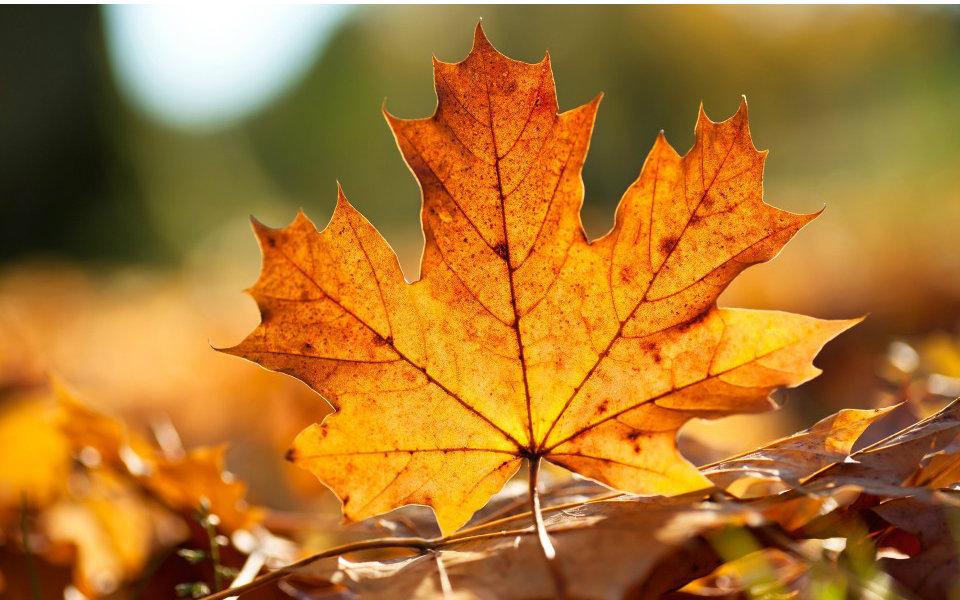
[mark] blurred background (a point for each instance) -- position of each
(136, 141)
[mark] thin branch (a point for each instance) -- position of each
(416, 543)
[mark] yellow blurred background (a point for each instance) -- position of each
(136, 141)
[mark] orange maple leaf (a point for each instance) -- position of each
(523, 339)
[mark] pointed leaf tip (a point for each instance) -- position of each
(478, 33)
(260, 229)
(342, 201)
(480, 40)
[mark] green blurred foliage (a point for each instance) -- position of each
(850, 99)
(65, 185)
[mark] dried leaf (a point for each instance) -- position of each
(36, 457)
(107, 500)
(627, 540)
(180, 482)
(115, 528)
(792, 458)
(817, 538)
(89, 429)
(886, 466)
(78, 324)
(940, 470)
(199, 477)
(522, 338)
(934, 572)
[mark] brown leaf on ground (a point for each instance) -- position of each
(788, 460)
(181, 482)
(137, 340)
(199, 477)
(934, 572)
(114, 527)
(604, 549)
(886, 467)
(106, 501)
(686, 546)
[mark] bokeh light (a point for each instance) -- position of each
(207, 65)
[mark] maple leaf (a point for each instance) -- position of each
(522, 338)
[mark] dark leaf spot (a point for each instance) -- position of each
(667, 244)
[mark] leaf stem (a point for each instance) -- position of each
(418, 543)
(549, 552)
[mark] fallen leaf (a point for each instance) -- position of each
(768, 573)
(179, 482)
(522, 338)
(788, 460)
(934, 572)
(36, 457)
(99, 437)
(115, 528)
(106, 500)
(628, 540)
(77, 323)
(685, 546)
(884, 468)
(940, 470)
(197, 477)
